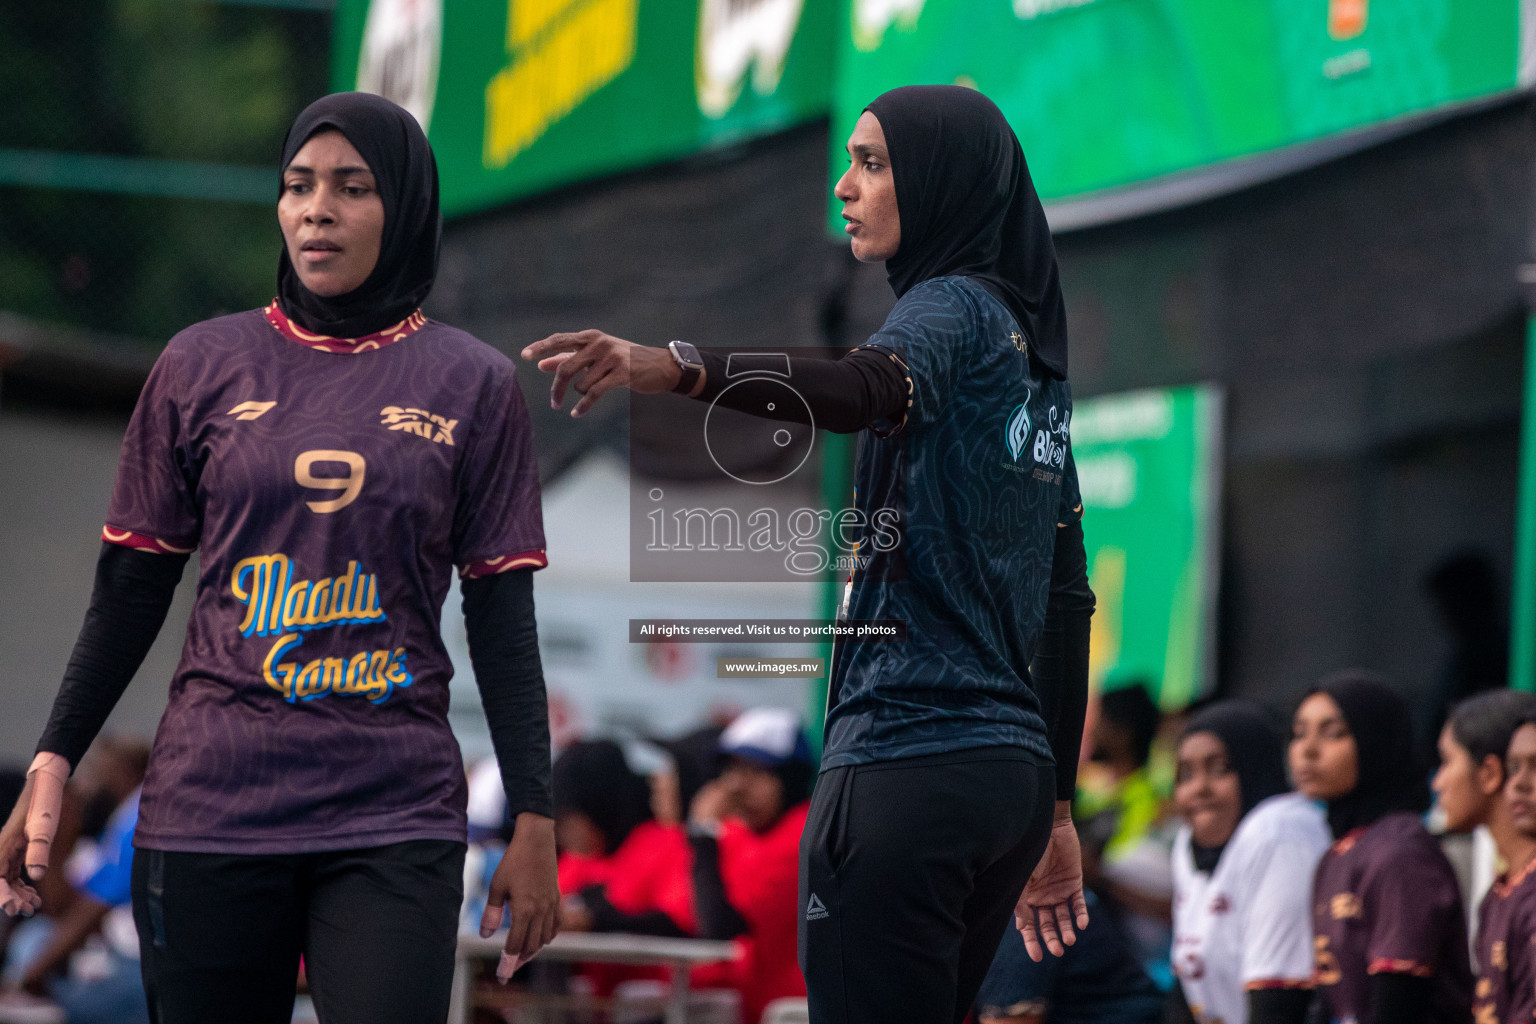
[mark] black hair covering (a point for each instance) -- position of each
(593, 777)
(396, 151)
(695, 760)
(1255, 750)
(1388, 776)
(968, 207)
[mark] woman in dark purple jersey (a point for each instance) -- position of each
(1389, 934)
(1506, 936)
(332, 457)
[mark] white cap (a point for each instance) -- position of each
(766, 735)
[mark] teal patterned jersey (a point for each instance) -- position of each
(963, 495)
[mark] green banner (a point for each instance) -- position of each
(1149, 464)
(521, 96)
(1105, 93)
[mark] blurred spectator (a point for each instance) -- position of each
(620, 870)
(1243, 866)
(1098, 979)
(695, 761)
(101, 985)
(745, 829)
(1126, 832)
(1464, 588)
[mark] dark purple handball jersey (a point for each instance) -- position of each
(1385, 901)
(1506, 951)
(330, 487)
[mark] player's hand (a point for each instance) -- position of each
(710, 804)
(1053, 899)
(26, 840)
(526, 883)
(595, 363)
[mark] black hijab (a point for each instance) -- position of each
(396, 151)
(968, 207)
(1388, 775)
(1255, 750)
(593, 778)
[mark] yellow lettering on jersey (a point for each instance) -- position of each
(276, 603)
(1325, 966)
(419, 422)
(373, 675)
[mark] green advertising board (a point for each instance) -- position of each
(1149, 465)
(521, 96)
(1107, 93)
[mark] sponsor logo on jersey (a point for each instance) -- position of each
(815, 910)
(418, 422)
(250, 410)
(1344, 906)
(1017, 432)
(277, 605)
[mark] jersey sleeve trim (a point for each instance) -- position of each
(879, 427)
(1266, 984)
(504, 563)
(142, 542)
(1387, 965)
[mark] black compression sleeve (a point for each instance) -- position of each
(1060, 668)
(1279, 1005)
(133, 592)
(844, 395)
(1400, 999)
(504, 651)
(717, 918)
(608, 918)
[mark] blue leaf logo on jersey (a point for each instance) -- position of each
(1017, 433)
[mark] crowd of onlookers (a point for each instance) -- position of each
(1239, 867)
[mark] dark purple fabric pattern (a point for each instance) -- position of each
(1506, 951)
(330, 497)
(1386, 902)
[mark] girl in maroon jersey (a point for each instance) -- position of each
(1390, 939)
(332, 458)
(1506, 941)
(1470, 786)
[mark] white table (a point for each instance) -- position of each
(682, 955)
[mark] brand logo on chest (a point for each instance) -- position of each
(419, 422)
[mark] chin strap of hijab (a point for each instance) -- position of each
(968, 208)
(1387, 769)
(396, 151)
(1255, 749)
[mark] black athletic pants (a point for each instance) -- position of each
(220, 934)
(909, 872)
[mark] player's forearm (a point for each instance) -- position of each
(841, 395)
(504, 651)
(131, 597)
(718, 919)
(1060, 666)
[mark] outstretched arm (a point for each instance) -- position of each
(842, 395)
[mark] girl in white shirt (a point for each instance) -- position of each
(1242, 872)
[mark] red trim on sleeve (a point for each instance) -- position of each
(347, 346)
(141, 542)
(505, 563)
(1264, 984)
(1386, 965)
